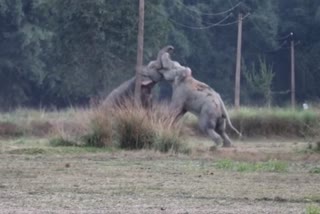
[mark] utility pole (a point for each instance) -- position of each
(238, 64)
(137, 91)
(293, 85)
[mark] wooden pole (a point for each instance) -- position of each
(293, 85)
(137, 91)
(238, 64)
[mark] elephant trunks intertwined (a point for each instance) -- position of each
(189, 95)
(150, 76)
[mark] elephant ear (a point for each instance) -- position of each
(183, 74)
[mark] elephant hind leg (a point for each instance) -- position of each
(221, 129)
(214, 136)
(207, 126)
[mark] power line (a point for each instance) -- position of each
(209, 14)
(235, 22)
(284, 37)
(218, 24)
(202, 27)
(279, 48)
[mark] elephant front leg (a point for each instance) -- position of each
(176, 108)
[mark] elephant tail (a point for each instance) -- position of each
(228, 118)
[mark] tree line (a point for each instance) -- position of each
(64, 52)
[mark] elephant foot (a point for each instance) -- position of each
(218, 142)
(227, 145)
(213, 148)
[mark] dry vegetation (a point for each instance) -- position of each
(73, 162)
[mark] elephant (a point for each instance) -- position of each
(191, 95)
(150, 76)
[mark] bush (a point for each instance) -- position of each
(276, 122)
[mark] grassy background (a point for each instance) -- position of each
(270, 122)
(133, 128)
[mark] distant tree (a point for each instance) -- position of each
(259, 81)
(22, 39)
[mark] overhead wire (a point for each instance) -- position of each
(209, 14)
(284, 37)
(278, 48)
(235, 22)
(205, 25)
(200, 27)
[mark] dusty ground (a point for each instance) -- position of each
(35, 178)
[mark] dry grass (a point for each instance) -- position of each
(42, 123)
(140, 128)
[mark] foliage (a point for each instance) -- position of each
(57, 53)
(259, 81)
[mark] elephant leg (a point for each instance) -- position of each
(146, 95)
(207, 126)
(221, 129)
(176, 107)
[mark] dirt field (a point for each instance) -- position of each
(37, 178)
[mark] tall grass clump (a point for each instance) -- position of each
(276, 122)
(134, 130)
(101, 132)
(140, 128)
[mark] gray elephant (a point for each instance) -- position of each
(191, 95)
(150, 76)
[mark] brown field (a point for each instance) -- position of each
(37, 178)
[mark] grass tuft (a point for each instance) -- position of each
(315, 170)
(101, 133)
(61, 142)
(313, 209)
(269, 166)
(139, 128)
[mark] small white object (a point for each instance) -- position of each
(305, 106)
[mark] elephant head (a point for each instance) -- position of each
(150, 73)
(172, 70)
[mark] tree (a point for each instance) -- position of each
(259, 81)
(22, 69)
